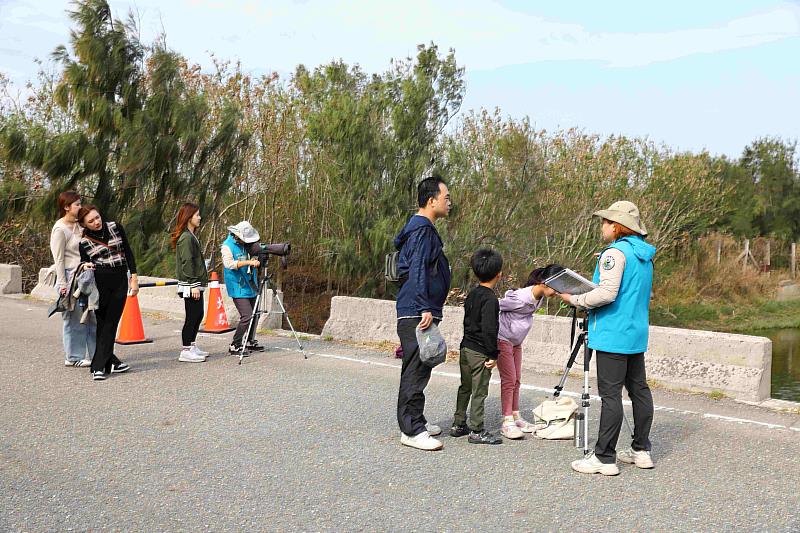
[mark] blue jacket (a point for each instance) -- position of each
(238, 282)
(623, 325)
(423, 261)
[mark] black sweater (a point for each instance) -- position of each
(481, 321)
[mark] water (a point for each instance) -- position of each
(785, 362)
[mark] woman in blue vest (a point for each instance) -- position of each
(618, 331)
(241, 281)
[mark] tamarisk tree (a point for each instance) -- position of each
(144, 137)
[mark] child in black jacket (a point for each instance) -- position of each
(478, 348)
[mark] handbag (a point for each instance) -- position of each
(58, 306)
(559, 417)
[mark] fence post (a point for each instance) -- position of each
(794, 259)
(767, 258)
(719, 250)
(746, 254)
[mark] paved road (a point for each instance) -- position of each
(281, 443)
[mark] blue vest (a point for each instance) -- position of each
(623, 325)
(237, 282)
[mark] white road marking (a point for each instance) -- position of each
(550, 390)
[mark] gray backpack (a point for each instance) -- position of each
(390, 267)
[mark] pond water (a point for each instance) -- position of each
(785, 362)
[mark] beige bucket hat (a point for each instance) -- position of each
(245, 231)
(625, 213)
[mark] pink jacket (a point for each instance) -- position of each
(516, 315)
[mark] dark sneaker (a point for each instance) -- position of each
(99, 375)
(253, 346)
(459, 431)
(236, 350)
(120, 368)
(484, 437)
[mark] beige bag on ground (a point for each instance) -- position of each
(559, 415)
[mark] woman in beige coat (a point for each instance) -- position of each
(65, 237)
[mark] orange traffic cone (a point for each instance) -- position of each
(131, 329)
(216, 319)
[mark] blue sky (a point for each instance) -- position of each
(694, 75)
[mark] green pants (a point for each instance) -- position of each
(475, 386)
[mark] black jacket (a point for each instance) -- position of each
(481, 321)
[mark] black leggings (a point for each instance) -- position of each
(112, 284)
(194, 315)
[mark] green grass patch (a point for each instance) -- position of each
(745, 317)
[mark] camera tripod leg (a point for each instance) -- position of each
(253, 320)
(296, 338)
(587, 357)
(628, 424)
(571, 361)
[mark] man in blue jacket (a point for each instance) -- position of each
(425, 281)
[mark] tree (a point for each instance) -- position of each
(371, 139)
(142, 138)
(771, 167)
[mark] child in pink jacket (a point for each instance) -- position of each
(516, 318)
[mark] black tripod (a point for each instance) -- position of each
(265, 282)
(581, 419)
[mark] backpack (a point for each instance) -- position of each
(390, 267)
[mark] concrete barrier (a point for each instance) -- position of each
(165, 300)
(45, 288)
(10, 279)
(739, 366)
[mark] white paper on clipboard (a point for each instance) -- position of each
(569, 282)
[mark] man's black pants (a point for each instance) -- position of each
(414, 377)
(613, 371)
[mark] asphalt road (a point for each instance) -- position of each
(282, 443)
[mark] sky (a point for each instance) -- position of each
(694, 75)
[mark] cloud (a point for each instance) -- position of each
(485, 36)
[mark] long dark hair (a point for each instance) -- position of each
(185, 214)
(538, 275)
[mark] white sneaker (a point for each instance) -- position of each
(641, 459)
(433, 429)
(188, 356)
(592, 465)
(423, 441)
(198, 351)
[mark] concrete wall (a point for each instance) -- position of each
(703, 361)
(10, 279)
(166, 301)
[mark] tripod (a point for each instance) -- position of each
(265, 282)
(581, 419)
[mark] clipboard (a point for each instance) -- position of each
(570, 282)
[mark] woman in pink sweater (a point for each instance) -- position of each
(516, 318)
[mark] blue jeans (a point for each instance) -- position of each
(79, 339)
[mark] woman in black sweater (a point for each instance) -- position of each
(105, 246)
